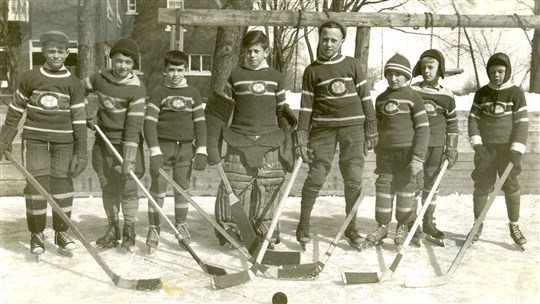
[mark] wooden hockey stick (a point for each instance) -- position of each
(445, 279)
(312, 270)
(143, 284)
(207, 268)
(245, 276)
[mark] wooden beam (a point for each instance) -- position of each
(214, 17)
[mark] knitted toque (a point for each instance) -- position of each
(433, 53)
(500, 59)
(341, 25)
(54, 36)
(127, 47)
(398, 63)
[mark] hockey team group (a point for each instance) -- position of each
(412, 129)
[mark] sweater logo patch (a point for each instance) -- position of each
(257, 87)
(177, 103)
(431, 107)
(48, 101)
(109, 103)
(337, 87)
(496, 109)
(391, 107)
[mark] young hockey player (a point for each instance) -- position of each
(255, 97)
(336, 109)
(121, 97)
(443, 137)
(174, 118)
(401, 152)
(54, 138)
(498, 130)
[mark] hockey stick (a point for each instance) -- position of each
(445, 279)
(312, 270)
(143, 284)
(374, 277)
(209, 269)
(244, 276)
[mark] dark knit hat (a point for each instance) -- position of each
(54, 36)
(341, 25)
(398, 63)
(500, 59)
(433, 53)
(127, 47)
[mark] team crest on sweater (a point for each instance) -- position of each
(496, 109)
(391, 107)
(176, 103)
(109, 102)
(257, 87)
(337, 87)
(431, 107)
(48, 101)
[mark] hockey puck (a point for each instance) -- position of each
(279, 298)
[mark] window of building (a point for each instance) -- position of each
(200, 64)
(5, 73)
(173, 4)
(131, 7)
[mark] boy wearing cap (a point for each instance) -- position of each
(336, 108)
(174, 118)
(54, 138)
(443, 138)
(121, 97)
(498, 130)
(403, 140)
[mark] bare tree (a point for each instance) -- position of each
(87, 53)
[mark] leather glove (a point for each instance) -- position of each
(372, 135)
(156, 162)
(199, 163)
(79, 160)
(130, 153)
(7, 134)
(90, 124)
(416, 166)
(301, 148)
(260, 227)
(451, 153)
(232, 227)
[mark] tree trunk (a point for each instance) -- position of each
(534, 84)
(228, 46)
(86, 59)
(361, 51)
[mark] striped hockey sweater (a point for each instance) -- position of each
(54, 101)
(175, 113)
(499, 116)
(402, 120)
(258, 94)
(121, 106)
(441, 110)
(334, 94)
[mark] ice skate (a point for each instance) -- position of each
(433, 234)
(377, 237)
(152, 239)
(65, 243)
(37, 244)
(517, 236)
(355, 239)
(476, 237)
(417, 237)
(302, 234)
(184, 233)
(128, 236)
(111, 238)
(401, 234)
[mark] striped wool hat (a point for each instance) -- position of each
(398, 63)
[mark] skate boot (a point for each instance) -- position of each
(433, 234)
(37, 244)
(184, 233)
(476, 237)
(65, 243)
(152, 239)
(112, 236)
(377, 237)
(128, 236)
(418, 235)
(401, 234)
(302, 234)
(517, 236)
(354, 238)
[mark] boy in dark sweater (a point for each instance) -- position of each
(443, 138)
(174, 118)
(54, 138)
(401, 151)
(498, 130)
(336, 108)
(121, 96)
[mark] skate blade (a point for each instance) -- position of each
(65, 252)
(358, 246)
(438, 242)
(303, 246)
(151, 250)
(520, 247)
(37, 254)
(416, 243)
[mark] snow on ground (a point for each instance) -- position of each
(493, 270)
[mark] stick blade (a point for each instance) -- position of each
(301, 271)
(421, 282)
(143, 284)
(278, 258)
(229, 280)
(213, 270)
(360, 277)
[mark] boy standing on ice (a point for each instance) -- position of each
(121, 97)
(54, 138)
(401, 152)
(498, 130)
(174, 118)
(443, 138)
(336, 108)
